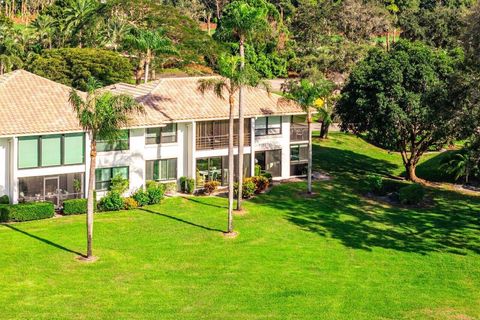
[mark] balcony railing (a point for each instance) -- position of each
(298, 132)
(219, 141)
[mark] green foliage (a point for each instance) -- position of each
(4, 199)
(155, 193)
(75, 206)
(26, 211)
(374, 183)
(171, 187)
(119, 184)
(261, 183)
(267, 175)
(211, 186)
(129, 203)
(412, 194)
(248, 188)
(141, 197)
(267, 64)
(306, 93)
(258, 170)
(187, 185)
(74, 66)
(112, 201)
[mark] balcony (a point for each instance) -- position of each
(214, 134)
(298, 132)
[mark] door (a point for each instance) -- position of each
(51, 186)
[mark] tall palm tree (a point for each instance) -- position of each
(148, 44)
(242, 19)
(101, 115)
(78, 14)
(306, 93)
(44, 29)
(233, 77)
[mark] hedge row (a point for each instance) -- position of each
(26, 211)
(74, 206)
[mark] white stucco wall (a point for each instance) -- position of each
(4, 167)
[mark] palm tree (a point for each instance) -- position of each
(325, 107)
(78, 14)
(242, 19)
(44, 29)
(306, 93)
(101, 115)
(233, 78)
(148, 43)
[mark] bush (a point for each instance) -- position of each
(170, 187)
(141, 197)
(26, 211)
(155, 193)
(211, 186)
(187, 185)
(75, 206)
(119, 184)
(111, 202)
(4, 199)
(261, 183)
(248, 188)
(129, 203)
(267, 175)
(374, 183)
(412, 194)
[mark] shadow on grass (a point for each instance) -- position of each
(336, 211)
(180, 220)
(430, 169)
(46, 241)
(192, 199)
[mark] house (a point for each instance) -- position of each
(44, 154)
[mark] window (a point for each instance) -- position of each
(103, 176)
(269, 161)
(268, 126)
(167, 134)
(216, 169)
(161, 170)
(298, 159)
(51, 150)
(122, 143)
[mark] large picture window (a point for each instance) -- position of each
(216, 169)
(167, 134)
(161, 170)
(268, 126)
(103, 176)
(122, 143)
(269, 161)
(298, 159)
(51, 150)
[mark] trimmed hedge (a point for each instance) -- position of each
(74, 206)
(412, 194)
(4, 199)
(26, 211)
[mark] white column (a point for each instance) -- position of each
(137, 160)
(286, 147)
(193, 146)
(252, 147)
(14, 169)
(87, 164)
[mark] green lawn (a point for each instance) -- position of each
(335, 255)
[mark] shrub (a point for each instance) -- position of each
(211, 186)
(412, 194)
(248, 188)
(26, 211)
(155, 193)
(374, 183)
(187, 185)
(267, 175)
(170, 187)
(261, 183)
(129, 203)
(258, 170)
(141, 197)
(111, 202)
(4, 199)
(119, 184)
(75, 206)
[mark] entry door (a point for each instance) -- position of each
(50, 189)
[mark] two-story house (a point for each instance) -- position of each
(44, 154)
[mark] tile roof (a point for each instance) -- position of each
(177, 99)
(30, 104)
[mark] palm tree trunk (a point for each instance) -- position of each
(230, 164)
(147, 69)
(309, 171)
(90, 200)
(241, 128)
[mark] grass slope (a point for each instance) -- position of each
(332, 256)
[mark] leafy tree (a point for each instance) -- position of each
(74, 66)
(471, 37)
(307, 94)
(402, 100)
(148, 44)
(233, 77)
(77, 15)
(101, 115)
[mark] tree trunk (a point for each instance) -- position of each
(324, 129)
(241, 128)
(209, 26)
(90, 199)
(388, 41)
(309, 171)
(410, 169)
(217, 4)
(147, 66)
(230, 164)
